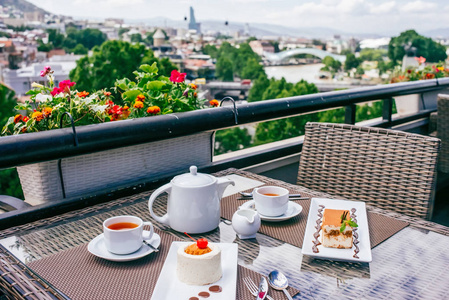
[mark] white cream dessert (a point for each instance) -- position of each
(199, 266)
(332, 236)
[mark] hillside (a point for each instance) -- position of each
(22, 5)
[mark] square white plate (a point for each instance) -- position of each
(169, 287)
(334, 253)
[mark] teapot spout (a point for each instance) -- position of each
(222, 183)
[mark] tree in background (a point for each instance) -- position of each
(351, 62)
(258, 88)
(252, 69)
(232, 139)
(330, 64)
(114, 60)
(210, 50)
(224, 69)
(136, 38)
(88, 38)
(9, 179)
(425, 47)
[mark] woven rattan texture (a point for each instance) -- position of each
(91, 172)
(388, 169)
(80, 275)
(443, 132)
(292, 231)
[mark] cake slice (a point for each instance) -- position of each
(333, 237)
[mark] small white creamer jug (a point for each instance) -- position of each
(246, 223)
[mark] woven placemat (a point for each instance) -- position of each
(80, 275)
(292, 231)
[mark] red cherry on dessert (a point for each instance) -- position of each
(202, 243)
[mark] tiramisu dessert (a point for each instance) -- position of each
(337, 229)
(199, 263)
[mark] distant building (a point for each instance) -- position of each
(158, 38)
(20, 80)
(35, 16)
(260, 47)
(193, 25)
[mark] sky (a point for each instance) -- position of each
(381, 17)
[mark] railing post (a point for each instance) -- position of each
(387, 110)
(350, 114)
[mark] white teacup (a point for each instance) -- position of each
(271, 201)
(125, 234)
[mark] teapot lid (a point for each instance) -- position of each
(193, 179)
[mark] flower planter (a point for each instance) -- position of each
(410, 104)
(90, 173)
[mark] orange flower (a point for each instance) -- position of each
(195, 94)
(126, 107)
(17, 118)
(47, 111)
(154, 110)
(430, 76)
(37, 115)
(193, 86)
(82, 94)
(138, 104)
(107, 94)
(140, 97)
(25, 119)
(214, 102)
(24, 129)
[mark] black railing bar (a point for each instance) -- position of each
(55, 144)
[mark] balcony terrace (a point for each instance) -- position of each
(277, 160)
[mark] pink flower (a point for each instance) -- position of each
(56, 90)
(177, 77)
(420, 59)
(46, 70)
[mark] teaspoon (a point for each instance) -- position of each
(250, 195)
(278, 281)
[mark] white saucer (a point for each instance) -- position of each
(98, 248)
(293, 210)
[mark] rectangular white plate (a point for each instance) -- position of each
(169, 287)
(334, 253)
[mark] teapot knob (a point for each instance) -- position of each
(193, 170)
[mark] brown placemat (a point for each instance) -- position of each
(80, 275)
(292, 231)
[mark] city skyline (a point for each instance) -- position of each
(355, 16)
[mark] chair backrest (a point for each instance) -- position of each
(385, 168)
(443, 131)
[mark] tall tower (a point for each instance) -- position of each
(193, 24)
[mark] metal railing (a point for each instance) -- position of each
(57, 144)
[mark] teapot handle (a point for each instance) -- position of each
(165, 188)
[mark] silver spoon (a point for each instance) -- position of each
(278, 281)
(250, 195)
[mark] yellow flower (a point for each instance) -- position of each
(36, 85)
(37, 115)
(138, 104)
(47, 111)
(441, 68)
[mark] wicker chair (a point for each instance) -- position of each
(389, 169)
(443, 132)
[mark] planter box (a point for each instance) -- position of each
(107, 169)
(410, 104)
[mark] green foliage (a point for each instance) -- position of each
(351, 62)
(232, 139)
(44, 47)
(9, 179)
(80, 49)
(224, 69)
(88, 37)
(114, 60)
(136, 38)
(211, 50)
(368, 54)
(258, 88)
(330, 64)
(425, 47)
(122, 30)
(55, 38)
(252, 69)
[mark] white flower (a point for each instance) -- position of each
(36, 85)
(43, 98)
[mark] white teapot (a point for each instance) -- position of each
(193, 204)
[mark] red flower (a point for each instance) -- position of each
(140, 98)
(177, 77)
(107, 94)
(56, 90)
(25, 119)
